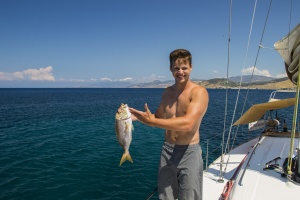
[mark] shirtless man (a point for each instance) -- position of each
(180, 113)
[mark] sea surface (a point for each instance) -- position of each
(61, 143)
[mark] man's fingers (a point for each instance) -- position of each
(133, 117)
(132, 110)
(147, 110)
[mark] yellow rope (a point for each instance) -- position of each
(289, 168)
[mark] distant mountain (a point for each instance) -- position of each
(247, 78)
(281, 83)
(259, 82)
(217, 83)
(108, 84)
(154, 84)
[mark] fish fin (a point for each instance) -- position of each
(132, 128)
(128, 126)
(126, 156)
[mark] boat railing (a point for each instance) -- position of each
(209, 152)
(210, 146)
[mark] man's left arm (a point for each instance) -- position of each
(195, 112)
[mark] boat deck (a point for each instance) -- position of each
(211, 175)
(256, 182)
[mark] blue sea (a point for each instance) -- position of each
(61, 143)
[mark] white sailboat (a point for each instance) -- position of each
(267, 167)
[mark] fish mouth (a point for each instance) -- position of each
(123, 112)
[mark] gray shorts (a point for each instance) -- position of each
(180, 172)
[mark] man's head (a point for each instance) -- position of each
(180, 55)
(181, 65)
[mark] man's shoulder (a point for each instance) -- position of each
(169, 89)
(198, 88)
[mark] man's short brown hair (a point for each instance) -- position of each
(183, 54)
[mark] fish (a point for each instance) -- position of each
(124, 129)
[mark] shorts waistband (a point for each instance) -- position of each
(188, 146)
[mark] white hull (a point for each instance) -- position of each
(252, 181)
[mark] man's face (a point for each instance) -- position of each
(181, 70)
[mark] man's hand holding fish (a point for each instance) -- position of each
(145, 117)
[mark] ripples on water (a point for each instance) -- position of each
(61, 143)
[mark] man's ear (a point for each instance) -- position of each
(191, 66)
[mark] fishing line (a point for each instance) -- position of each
(155, 189)
(226, 98)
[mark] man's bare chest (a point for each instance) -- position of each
(176, 107)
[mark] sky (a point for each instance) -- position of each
(73, 43)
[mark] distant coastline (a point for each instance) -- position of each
(257, 82)
(220, 83)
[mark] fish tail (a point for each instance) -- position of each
(126, 156)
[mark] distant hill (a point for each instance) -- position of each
(281, 83)
(154, 84)
(109, 84)
(258, 82)
(247, 78)
(217, 83)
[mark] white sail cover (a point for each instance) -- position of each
(289, 49)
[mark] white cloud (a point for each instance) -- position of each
(215, 72)
(150, 78)
(126, 79)
(153, 77)
(105, 79)
(281, 75)
(42, 74)
(6, 76)
(248, 71)
(19, 75)
(77, 80)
